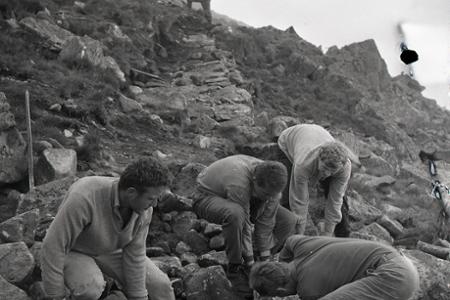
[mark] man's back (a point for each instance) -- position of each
(325, 264)
(231, 171)
(299, 140)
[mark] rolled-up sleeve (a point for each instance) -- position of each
(265, 223)
(338, 186)
(134, 256)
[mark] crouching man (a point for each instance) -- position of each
(329, 268)
(101, 227)
(237, 192)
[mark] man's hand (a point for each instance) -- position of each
(323, 230)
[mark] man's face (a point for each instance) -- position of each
(149, 197)
(326, 171)
(263, 193)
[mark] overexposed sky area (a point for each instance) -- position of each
(426, 27)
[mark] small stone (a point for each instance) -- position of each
(217, 242)
(188, 258)
(155, 251)
(213, 258)
(55, 107)
(181, 248)
(212, 229)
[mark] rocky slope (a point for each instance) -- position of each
(111, 81)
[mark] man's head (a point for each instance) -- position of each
(142, 182)
(332, 158)
(272, 279)
(269, 178)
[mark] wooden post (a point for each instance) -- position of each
(30, 143)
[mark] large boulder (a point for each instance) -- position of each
(16, 262)
(361, 211)
(8, 204)
(79, 49)
(232, 94)
(377, 230)
(20, 228)
(434, 276)
(46, 197)
(10, 291)
(55, 164)
(13, 159)
(168, 102)
(51, 34)
(225, 112)
(209, 283)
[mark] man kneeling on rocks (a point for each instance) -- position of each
(236, 192)
(101, 226)
(329, 268)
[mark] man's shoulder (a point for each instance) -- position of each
(92, 184)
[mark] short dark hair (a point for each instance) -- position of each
(266, 277)
(271, 175)
(143, 173)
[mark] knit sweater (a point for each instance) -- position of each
(88, 221)
(301, 144)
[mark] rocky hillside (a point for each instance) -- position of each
(114, 80)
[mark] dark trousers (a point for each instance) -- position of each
(231, 216)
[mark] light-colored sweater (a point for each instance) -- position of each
(301, 144)
(88, 221)
(231, 178)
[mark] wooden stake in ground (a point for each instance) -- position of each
(30, 143)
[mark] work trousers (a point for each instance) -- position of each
(83, 276)
(232, 217)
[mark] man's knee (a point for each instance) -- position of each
(234, 217)
(88, 291)
(83, 277)
(159, 286)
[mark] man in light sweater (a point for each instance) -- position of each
(316, 157)
(236, 192)
(328, 268)
(101, 227)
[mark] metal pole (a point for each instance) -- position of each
(30, 143)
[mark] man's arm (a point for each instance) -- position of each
(291, 248)
(264, 225)
(73, 216)
(134, 256)
(338, 185)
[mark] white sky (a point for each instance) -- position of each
(342, 22)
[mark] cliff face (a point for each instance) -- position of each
(119, 79)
